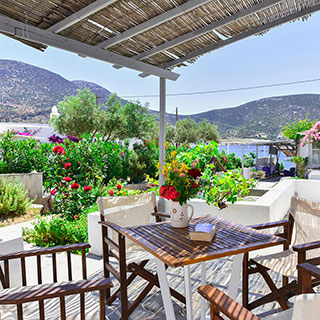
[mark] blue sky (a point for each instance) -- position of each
(287, 53)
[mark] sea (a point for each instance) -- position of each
(46, 131)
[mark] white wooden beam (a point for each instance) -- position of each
(27, 32)
(241, 36)
(80, 15)
(217, 24)
(166, 16)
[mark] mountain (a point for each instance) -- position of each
(27, 94)
(263, 118)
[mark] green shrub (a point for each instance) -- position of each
(14, 198)
(56, 231)
(249, 160)
(296, 129)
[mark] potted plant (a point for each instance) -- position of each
(181, 184)
(248, 164)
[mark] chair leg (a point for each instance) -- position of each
(123, 278)
(245, 280)
(105, 252)
(272, 286)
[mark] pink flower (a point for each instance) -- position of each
(110, 192)
(194, 164)
(181, 175)
(53, 191)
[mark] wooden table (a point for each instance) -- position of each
(172, 247)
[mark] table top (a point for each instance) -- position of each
(173, 246)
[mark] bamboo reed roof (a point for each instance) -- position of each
(121, 16)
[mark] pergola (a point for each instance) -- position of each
(152, 37)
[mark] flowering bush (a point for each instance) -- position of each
(116, 188)
(181, 180)
(313, 135)
(231, 187)
(257, 174)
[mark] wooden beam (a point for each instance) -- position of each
(149, 24)
(27, 32)
(80, 15)
(217, 24)
(241, 36)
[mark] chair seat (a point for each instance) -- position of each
(284, 262)
(137, 254)
(52, 306)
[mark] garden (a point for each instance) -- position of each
(100, 152)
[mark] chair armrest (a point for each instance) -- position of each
(269, 225)
(160, 214)
(111, 225)
(309, 269)
(40, 292)
(306, 246)
(225, 304)
(42, 251)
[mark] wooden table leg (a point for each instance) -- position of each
(203, 282)
(165, 290)
(235, 276)
(188, 291)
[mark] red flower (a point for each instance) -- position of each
(67, 195)
(73, 146)
(75, 186)
(194, 184)
(111, 192)
(75, 216)
(53, 191)
(58, 150)
(119, 187)
(68, 179)
(67, 165)
(163, 191)
(169, 193)
(224, 159)
(86, 189)
(194, 173)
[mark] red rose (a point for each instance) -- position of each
(75, 186)
(53, 191)
(172, 193)
(67, 165)
(119, 187)
(68, 179)
(194, 184)
(58, 150)
(86, 189)
(194, 173)
(111, 192)
(75, 216)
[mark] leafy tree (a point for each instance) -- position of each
(189, 131)
(295, 129)
(78, 114)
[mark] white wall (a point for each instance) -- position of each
(32, 181)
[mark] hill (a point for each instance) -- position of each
(27, 94)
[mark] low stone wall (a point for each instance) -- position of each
(33, 182)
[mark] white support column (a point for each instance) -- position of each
(257, 156)
(228, 148)
(242, 151)
(162, 135)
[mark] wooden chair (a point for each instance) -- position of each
(57, 300)
(121, 212)
(305, 305)
(303, 227)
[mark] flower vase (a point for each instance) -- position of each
(179, 217)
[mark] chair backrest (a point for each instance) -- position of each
(306, 216)
(127, 211)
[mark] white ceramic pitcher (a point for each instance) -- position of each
(179, 217)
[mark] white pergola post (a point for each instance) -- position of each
(162, 135)
(242, 156)
(257, 156)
